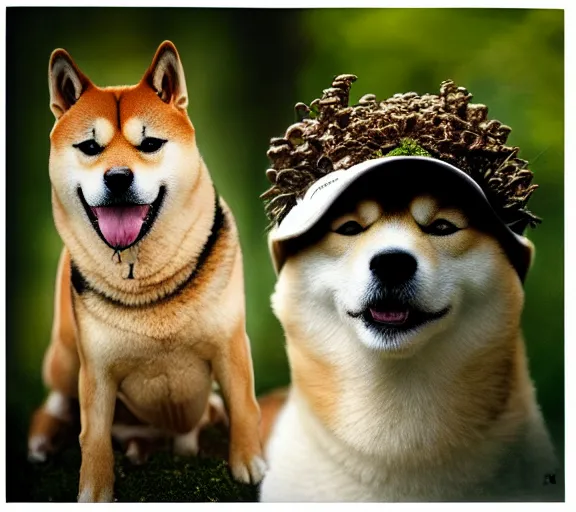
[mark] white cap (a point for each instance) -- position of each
(323, 193)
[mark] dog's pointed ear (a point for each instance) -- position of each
(166, 76)
(66, 82)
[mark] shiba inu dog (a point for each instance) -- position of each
(149, 294)
(400, 294)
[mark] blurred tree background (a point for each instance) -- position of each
(245, 70)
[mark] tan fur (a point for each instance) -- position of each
(61, 363)
(447, 414)
(317, 379)
(270, 405)
(152, 341)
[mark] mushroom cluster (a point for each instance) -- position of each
(330, 135)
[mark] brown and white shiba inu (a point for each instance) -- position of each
(401, 306)
(150, 294)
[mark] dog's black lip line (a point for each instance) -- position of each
(416, 317)
(146, 225)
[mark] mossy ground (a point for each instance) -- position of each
(164, 477)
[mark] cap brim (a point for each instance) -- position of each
(308, 212)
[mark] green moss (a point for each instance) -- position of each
(408, 147)
(164, 477)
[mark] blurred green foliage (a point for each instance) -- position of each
(245, 70)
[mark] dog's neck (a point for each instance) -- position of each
(162, 263)
(432, 410)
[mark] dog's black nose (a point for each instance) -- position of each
(118, 180)
(393, 267)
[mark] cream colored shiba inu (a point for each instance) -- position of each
(149, 295)
(400, 295)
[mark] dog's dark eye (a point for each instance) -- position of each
(349, 228)
(89, 147)
(440, 227)
(150, 145)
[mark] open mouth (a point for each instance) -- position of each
(390, 317)
(122, 225)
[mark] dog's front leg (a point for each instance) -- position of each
(97, 393)
(233, 370)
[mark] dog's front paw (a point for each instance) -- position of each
(249, 472)
(91, 495)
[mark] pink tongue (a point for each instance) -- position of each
(120, 225)
(389, 317)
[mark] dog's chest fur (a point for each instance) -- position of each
(160, 354)
(329, 471)
(163, 381)
(407, 445)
